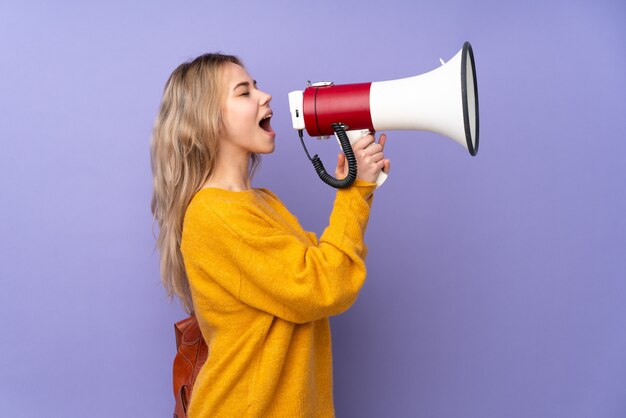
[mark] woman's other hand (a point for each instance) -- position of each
(370, 159)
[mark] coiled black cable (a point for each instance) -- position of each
(350, 158)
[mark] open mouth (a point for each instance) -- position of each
(265, 124)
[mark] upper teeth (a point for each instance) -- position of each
(267, 117)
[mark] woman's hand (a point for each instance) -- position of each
(370, 159)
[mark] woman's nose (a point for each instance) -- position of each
(265, 97)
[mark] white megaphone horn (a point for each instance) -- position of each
(444, 101)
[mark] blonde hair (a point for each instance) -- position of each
(183, 152)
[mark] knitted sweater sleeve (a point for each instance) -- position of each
(277, 272)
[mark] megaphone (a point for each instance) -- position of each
(444, 101)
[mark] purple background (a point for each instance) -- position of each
(496, 284)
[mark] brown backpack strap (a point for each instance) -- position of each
(191, 355)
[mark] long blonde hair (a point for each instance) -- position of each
(183, 152)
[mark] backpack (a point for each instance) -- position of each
(191, 354)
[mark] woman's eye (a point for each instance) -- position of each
(247, 93)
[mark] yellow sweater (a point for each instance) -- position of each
(263, 289)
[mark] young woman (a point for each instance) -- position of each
(260, 286)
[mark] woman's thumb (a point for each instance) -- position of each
(341, 164)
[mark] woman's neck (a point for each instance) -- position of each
(230, 173)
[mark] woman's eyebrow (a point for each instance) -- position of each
(244, 84)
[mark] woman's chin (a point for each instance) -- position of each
(268, 149)
(272, 134)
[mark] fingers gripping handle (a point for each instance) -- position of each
(354, 136)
